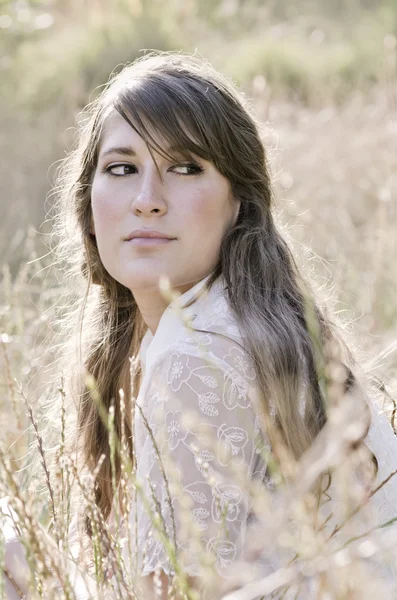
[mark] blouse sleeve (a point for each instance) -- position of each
(382, 441)
(377, 519)
(198, 410)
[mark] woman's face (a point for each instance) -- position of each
(190, 203)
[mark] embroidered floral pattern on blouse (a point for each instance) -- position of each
(175, 433)
(214, 389)
(179, 370)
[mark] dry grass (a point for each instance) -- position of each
(334, 162)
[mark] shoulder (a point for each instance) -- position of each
(206, 386)
(206, 371)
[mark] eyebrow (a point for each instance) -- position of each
(129, 151)
(124, 150)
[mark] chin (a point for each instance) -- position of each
(144, 281)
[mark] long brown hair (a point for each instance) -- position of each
(184, 101)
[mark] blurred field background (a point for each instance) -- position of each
(322, 78)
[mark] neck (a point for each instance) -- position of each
(152, 304)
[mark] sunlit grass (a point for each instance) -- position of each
(327, 103)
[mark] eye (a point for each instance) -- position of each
(189, 169)
(120, 170)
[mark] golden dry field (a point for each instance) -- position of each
(321, 78)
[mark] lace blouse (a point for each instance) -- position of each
(198, 441)
(198, 388)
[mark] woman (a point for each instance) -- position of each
(170, 180)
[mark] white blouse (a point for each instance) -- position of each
(198, 402)
(208, 377)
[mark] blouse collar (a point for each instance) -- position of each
(171, 327)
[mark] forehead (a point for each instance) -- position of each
(117, 132)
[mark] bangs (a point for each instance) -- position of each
(165, 119)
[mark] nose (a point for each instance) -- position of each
(149, 195)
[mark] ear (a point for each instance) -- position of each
(92, 228)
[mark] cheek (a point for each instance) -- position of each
(104, 207)
(209, 209)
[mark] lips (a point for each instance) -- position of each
(149, 241)
(147, 234)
